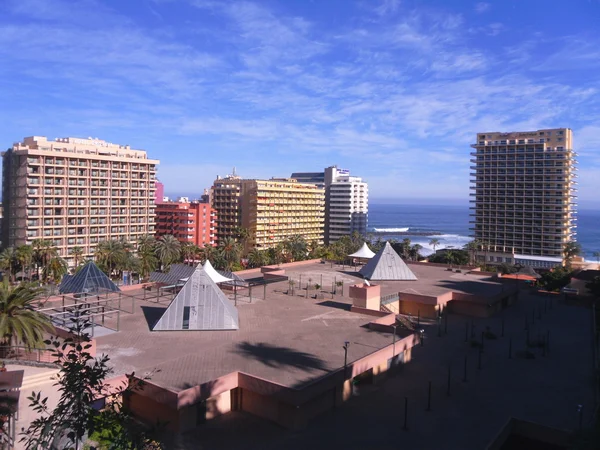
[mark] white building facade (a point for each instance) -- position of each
(346, 204)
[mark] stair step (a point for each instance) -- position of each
(39, 379)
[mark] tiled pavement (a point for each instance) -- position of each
(546, 389)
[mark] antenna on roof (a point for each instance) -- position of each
(234, 174)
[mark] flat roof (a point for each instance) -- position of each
(291, 340)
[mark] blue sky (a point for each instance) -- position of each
(392, 90)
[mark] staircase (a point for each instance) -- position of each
(32, 381)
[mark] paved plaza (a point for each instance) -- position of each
(546, 390)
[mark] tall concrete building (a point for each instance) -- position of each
(191, 222)
(277, 209)
(225, 199)
(346, 204)
(76, 193)
(524, 203)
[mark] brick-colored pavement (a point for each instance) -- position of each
(546, 390)
(287, 339)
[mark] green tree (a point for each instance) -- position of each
(168, 250)
(434, 243)
(8, 261)
(43, 251)
(258, 258)
(231, 252)
(20, 323)
(76, 253)
(24, 255)
(110, 255)
(189, 251)
(570, 250)
(556, 279)
(55, 269)
(146, 243)
(81, 381)
(415, 252)
(296, 248)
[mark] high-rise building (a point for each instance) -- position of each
(76, 193)
(317, 178)
(346, 204)
(191, 222)
(225, 199)
(159, 195)
(524, 196)
(277, 209)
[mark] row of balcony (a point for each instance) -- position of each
(74, 162)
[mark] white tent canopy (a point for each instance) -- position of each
(213, 274)
(364, 252)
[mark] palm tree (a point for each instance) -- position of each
(434, 243)
(472, 247)
(147, 261)
(76, 253)
(8, 261)
(25, 258)
(570, 250)
(189, 251)
(415, 252)
(168, 250)
(241, 234)
(110, 255)
(146, 243)
(296, 248)
(597, 256)
(257, 258)
(19, 321)
(55, 268)
(43, 251)
(231, 252)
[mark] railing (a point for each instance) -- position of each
(19, 353)
(390, 298)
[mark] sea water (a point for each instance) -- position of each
(450, 225)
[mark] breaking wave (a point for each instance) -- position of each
(391, 230)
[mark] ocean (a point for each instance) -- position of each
(450, 224)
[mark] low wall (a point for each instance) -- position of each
(289, 407)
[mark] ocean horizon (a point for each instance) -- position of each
(450, 224)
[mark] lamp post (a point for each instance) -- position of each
(346, 345)
(394, 341)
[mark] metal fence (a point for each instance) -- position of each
(19, 353)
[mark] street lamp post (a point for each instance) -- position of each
(346, 345)
(394, 341)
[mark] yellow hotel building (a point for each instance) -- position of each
(274, 210)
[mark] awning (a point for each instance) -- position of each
(364, 252)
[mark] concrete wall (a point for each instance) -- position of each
(289, 407)
(364, 296)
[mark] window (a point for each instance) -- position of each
(186, 318)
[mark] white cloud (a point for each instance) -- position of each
(482, 7)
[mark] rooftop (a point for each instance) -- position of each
(291, 340)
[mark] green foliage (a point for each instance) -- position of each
(570, 250)
(168, 250)
(20, 323)
(452, 256)
(81, 381)
(556, 279)
(507, 269)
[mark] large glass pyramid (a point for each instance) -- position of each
(387, 265)
(89, 280)
(200, 305)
